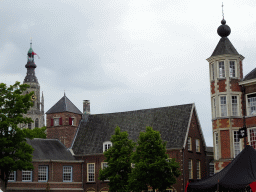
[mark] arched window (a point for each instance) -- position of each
(29, 125)
(36, 123)
(106, 145)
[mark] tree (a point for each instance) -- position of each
(152, 169)
(118, 158)
(35, 133)
(15, 153)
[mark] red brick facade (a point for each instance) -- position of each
(213, 87)
(234, 86)
(55, 178)
(225, 144)
(65, 132)
(222, 85)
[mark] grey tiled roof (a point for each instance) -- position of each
(63, 105)
(224, 47)
(49, 149)
(172, 123)
(251, 75)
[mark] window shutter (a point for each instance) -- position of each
(60, 121)
(51, 122)
(70, 121)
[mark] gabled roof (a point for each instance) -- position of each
(64, 105)
(251, 75)
(172, 123)
(49, 149)
(224, 47)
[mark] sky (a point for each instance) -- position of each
(123, 55)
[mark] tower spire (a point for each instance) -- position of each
(222, 11)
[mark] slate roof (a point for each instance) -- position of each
(224, 47)
(64, 105)
(172, 122)
(53, 149)
(251, 75)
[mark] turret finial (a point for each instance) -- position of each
(222, 11)
(30, 42)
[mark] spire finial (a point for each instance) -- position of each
(222, 11)
(64, 93)
(30, 42)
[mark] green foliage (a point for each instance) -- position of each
(35, 133)
(152, 167)
(119, 162)
(15, 153)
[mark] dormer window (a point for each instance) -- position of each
(106, 145)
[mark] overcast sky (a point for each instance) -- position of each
(123, 55)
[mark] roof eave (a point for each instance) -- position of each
(248, 82)
(216, 57)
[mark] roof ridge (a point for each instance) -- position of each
(251, 72)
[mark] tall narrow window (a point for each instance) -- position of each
(43, 173)
(36, 123)
(103, 166)
(198, 170)
(223, 106)
(234, 106)
(213, 75)
(190, 169)
(221, 69)
(56, 121)
(232, 69)
(29, 125)
(90, 172)
(197, 145)
(67, 173)
(26, 176)
(236, 143)
(211, 169)
(189, 144)
(252, 137)
(251, 104)
(216, 143)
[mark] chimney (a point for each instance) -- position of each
(86, 107)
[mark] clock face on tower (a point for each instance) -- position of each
(33, 97)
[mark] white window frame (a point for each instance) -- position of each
(73, 121)
(56, 121)
(232, 70)
(213, 74)
(104, 165)
(198, 169)
(42, 173)
(236, 143)
(252, 136)
(189, 144)
(223, 106)
(221, 70)
(190, 169)
(26, 176)
(216, 145)
(251, 104)
(67, 172)
(211, 169)
(214, 110)
(90, 172)
(235, 105)
(197, 145)
(13, 175)
(107, 145)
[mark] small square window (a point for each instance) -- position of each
(12, 177)
(26, 176)
(56, 122)
(67, 173)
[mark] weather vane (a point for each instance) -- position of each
(222, 11)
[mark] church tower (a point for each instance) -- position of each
(35, 113)
(226, 71)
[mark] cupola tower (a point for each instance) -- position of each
(226, 70)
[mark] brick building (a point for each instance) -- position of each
(53, 165)
(233, 100)
(90, 136)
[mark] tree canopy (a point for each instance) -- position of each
(153, 169)
(118, 158)
(15, 153)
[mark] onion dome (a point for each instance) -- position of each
(223, 30)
